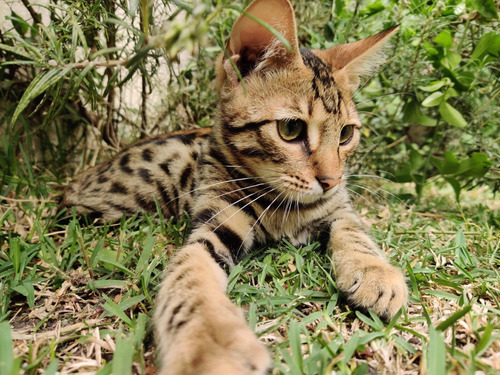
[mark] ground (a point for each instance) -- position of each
(78, 298)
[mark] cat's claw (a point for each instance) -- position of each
(380, 288)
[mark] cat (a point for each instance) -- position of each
(272, 166)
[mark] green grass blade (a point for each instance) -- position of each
(123, 358)
(453, 318)
(40, 84)
(295, 343)
(111, 307)
(436, 354)
(6, 350)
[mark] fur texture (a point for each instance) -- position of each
(244, 184)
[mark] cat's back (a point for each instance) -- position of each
(158, 170)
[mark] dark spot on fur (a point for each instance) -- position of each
(118, 188)
(125, 159)
(147, 155)
(186, 173)
(102, 179)
(145, 175)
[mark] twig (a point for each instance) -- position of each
(435, 232)
(16, 335)
(36, 17)
(396, 142)
(107, 64)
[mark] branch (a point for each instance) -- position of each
(36, 16)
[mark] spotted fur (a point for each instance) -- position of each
(243, 184)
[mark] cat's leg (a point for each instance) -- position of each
(198, 329)
(362, 272)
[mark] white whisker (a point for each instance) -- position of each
(256, 221)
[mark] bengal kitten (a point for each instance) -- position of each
(272, 166)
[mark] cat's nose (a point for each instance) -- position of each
(328, 182)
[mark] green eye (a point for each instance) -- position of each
(290, 129)
(346, 134)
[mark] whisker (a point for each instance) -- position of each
(359, 195)
(283, 200)
(379, 195)
(236, 202)
(256, 221)
(241, 208)
(368, 176)
(210, 186)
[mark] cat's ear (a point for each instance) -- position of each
(253, 46)
(359, 58)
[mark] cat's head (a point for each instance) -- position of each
(286, 114)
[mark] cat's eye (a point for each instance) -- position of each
(346, 134)
(291, 129)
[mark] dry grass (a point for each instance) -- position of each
(79, 297)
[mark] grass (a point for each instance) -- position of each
(78, 298)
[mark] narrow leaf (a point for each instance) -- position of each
(40, 84)
(451, 115)
(124, 354)
(436, 354)
(6, 350)
(433, 99)
(453, 318)
(486, 8)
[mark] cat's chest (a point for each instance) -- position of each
(296, 221)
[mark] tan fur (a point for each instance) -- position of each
(243, 184)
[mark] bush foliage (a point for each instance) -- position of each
(429, 112)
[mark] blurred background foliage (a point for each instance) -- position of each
(81, 79)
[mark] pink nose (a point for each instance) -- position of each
(328, 182)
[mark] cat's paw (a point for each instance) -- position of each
(216, 342)
(375, 286)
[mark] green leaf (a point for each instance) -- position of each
(433, 99)
(436, 354)
(451, 115)
(451, 60)
(436, 85)
(451, 163)
(350, 347)
(475, 166)
(453, 318)
(412, 113)
(143, 261)
(489, 43)
(40, 84)
(20, 25)
(295, 343)
(455, 185)
(486, 340)
(111, 307)
(16, 51)
(52, 367)
(444, 38)
(124, 355)
(6, 352)
(486, 8)
(27, 290)
(450, 93)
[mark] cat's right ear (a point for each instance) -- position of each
(253, 46)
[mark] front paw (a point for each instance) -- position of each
(215, 342)
(373, 285)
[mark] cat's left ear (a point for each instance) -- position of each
(359, 58)
(253, 46)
